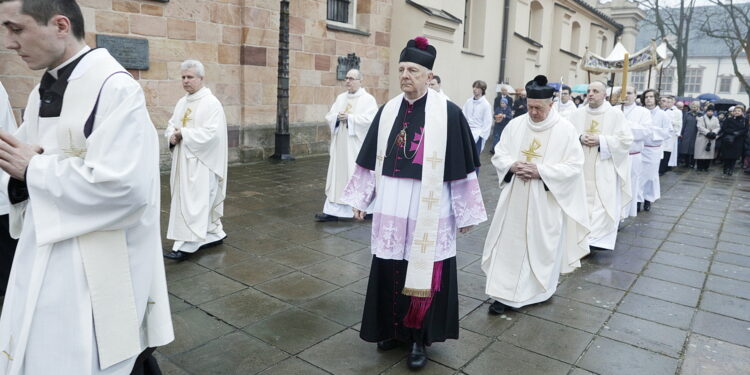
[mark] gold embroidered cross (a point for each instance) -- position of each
(594, 128)
(379, 157)
(531, 152)
(434, 159)
(424, 242)
(186, 117)
(72, 150)
(430, 200)
(348, 108)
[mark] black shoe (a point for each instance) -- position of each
(387, 344)
(638, 207)
(321, 217)
(368, 217)
(176, 255)
(646, 206)
(418, 357)
(212, 244)
(497, 308)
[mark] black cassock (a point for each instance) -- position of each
(385, 306)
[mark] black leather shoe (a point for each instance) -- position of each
(321, 217)
(387, 344)
(212, 244)
(176, 255)
(646, 206)
(638, 207)
(368, 217)
(497, 308)
(418, 357)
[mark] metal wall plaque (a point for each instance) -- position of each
(132, 53)
(351, 61)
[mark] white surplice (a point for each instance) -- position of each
(87, 292)
(199, 171)
(639, 120)
(536, 233)
(7, 123)
(478, 113)
(675, 115)
(606, 169)
(661, 130)
(563, 108)
(346, 141)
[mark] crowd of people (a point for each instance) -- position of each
(87, 293)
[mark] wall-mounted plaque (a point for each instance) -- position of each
(346, 63)
(132, 53)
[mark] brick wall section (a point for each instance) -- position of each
(237, 40)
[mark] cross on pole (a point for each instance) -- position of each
(424, 242)
(430, 200)
(434, 159)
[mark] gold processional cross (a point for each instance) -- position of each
(186, 117)
(434, 159)
(531, 152)
(594, 128)
(424, 242)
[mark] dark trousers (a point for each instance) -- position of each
(686, 160)
(7, 251)
(479, 151)
(663, 167)
(146, 364)
(703, 164)
(729, 165)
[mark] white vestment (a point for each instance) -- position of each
(536, 233)
(606, 170)
(87, 292)
(563, 108)
(661, 130)
(639, 120)
(675, 115)
(478, 113)
(7, 123)
(346, 141)
(199, 169)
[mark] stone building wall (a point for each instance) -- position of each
(237, 40)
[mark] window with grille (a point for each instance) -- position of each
(725, 85)
(667, 77)
(342, 11)
(693, 80)
(638, 81)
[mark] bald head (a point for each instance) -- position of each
(596, 94)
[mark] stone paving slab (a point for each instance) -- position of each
(284, 294)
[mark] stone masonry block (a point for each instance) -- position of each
(111, 22)
(148, 25)
(181, 29)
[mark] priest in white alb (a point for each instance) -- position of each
(566, 103)
(417, 169)
(87, 292)
(606, 139)
(639, 121)
(540, 227)
(349, 120)
(661, 130)
(197, 135)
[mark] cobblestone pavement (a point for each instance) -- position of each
(284, 294)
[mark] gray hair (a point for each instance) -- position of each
(195, 65)
(357, 72)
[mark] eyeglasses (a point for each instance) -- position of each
(351, 79)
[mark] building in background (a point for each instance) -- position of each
(709, 64)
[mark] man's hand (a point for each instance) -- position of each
(465, 229)
(515, 167)
(343, 116)
(526, 171)
(16, 155)
(176, 137)
(590, 140)
(359, 215)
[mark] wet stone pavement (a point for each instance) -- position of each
(284, 294)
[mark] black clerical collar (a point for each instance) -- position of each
(51, 90)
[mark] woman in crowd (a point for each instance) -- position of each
(732, 137)
(705, 141)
